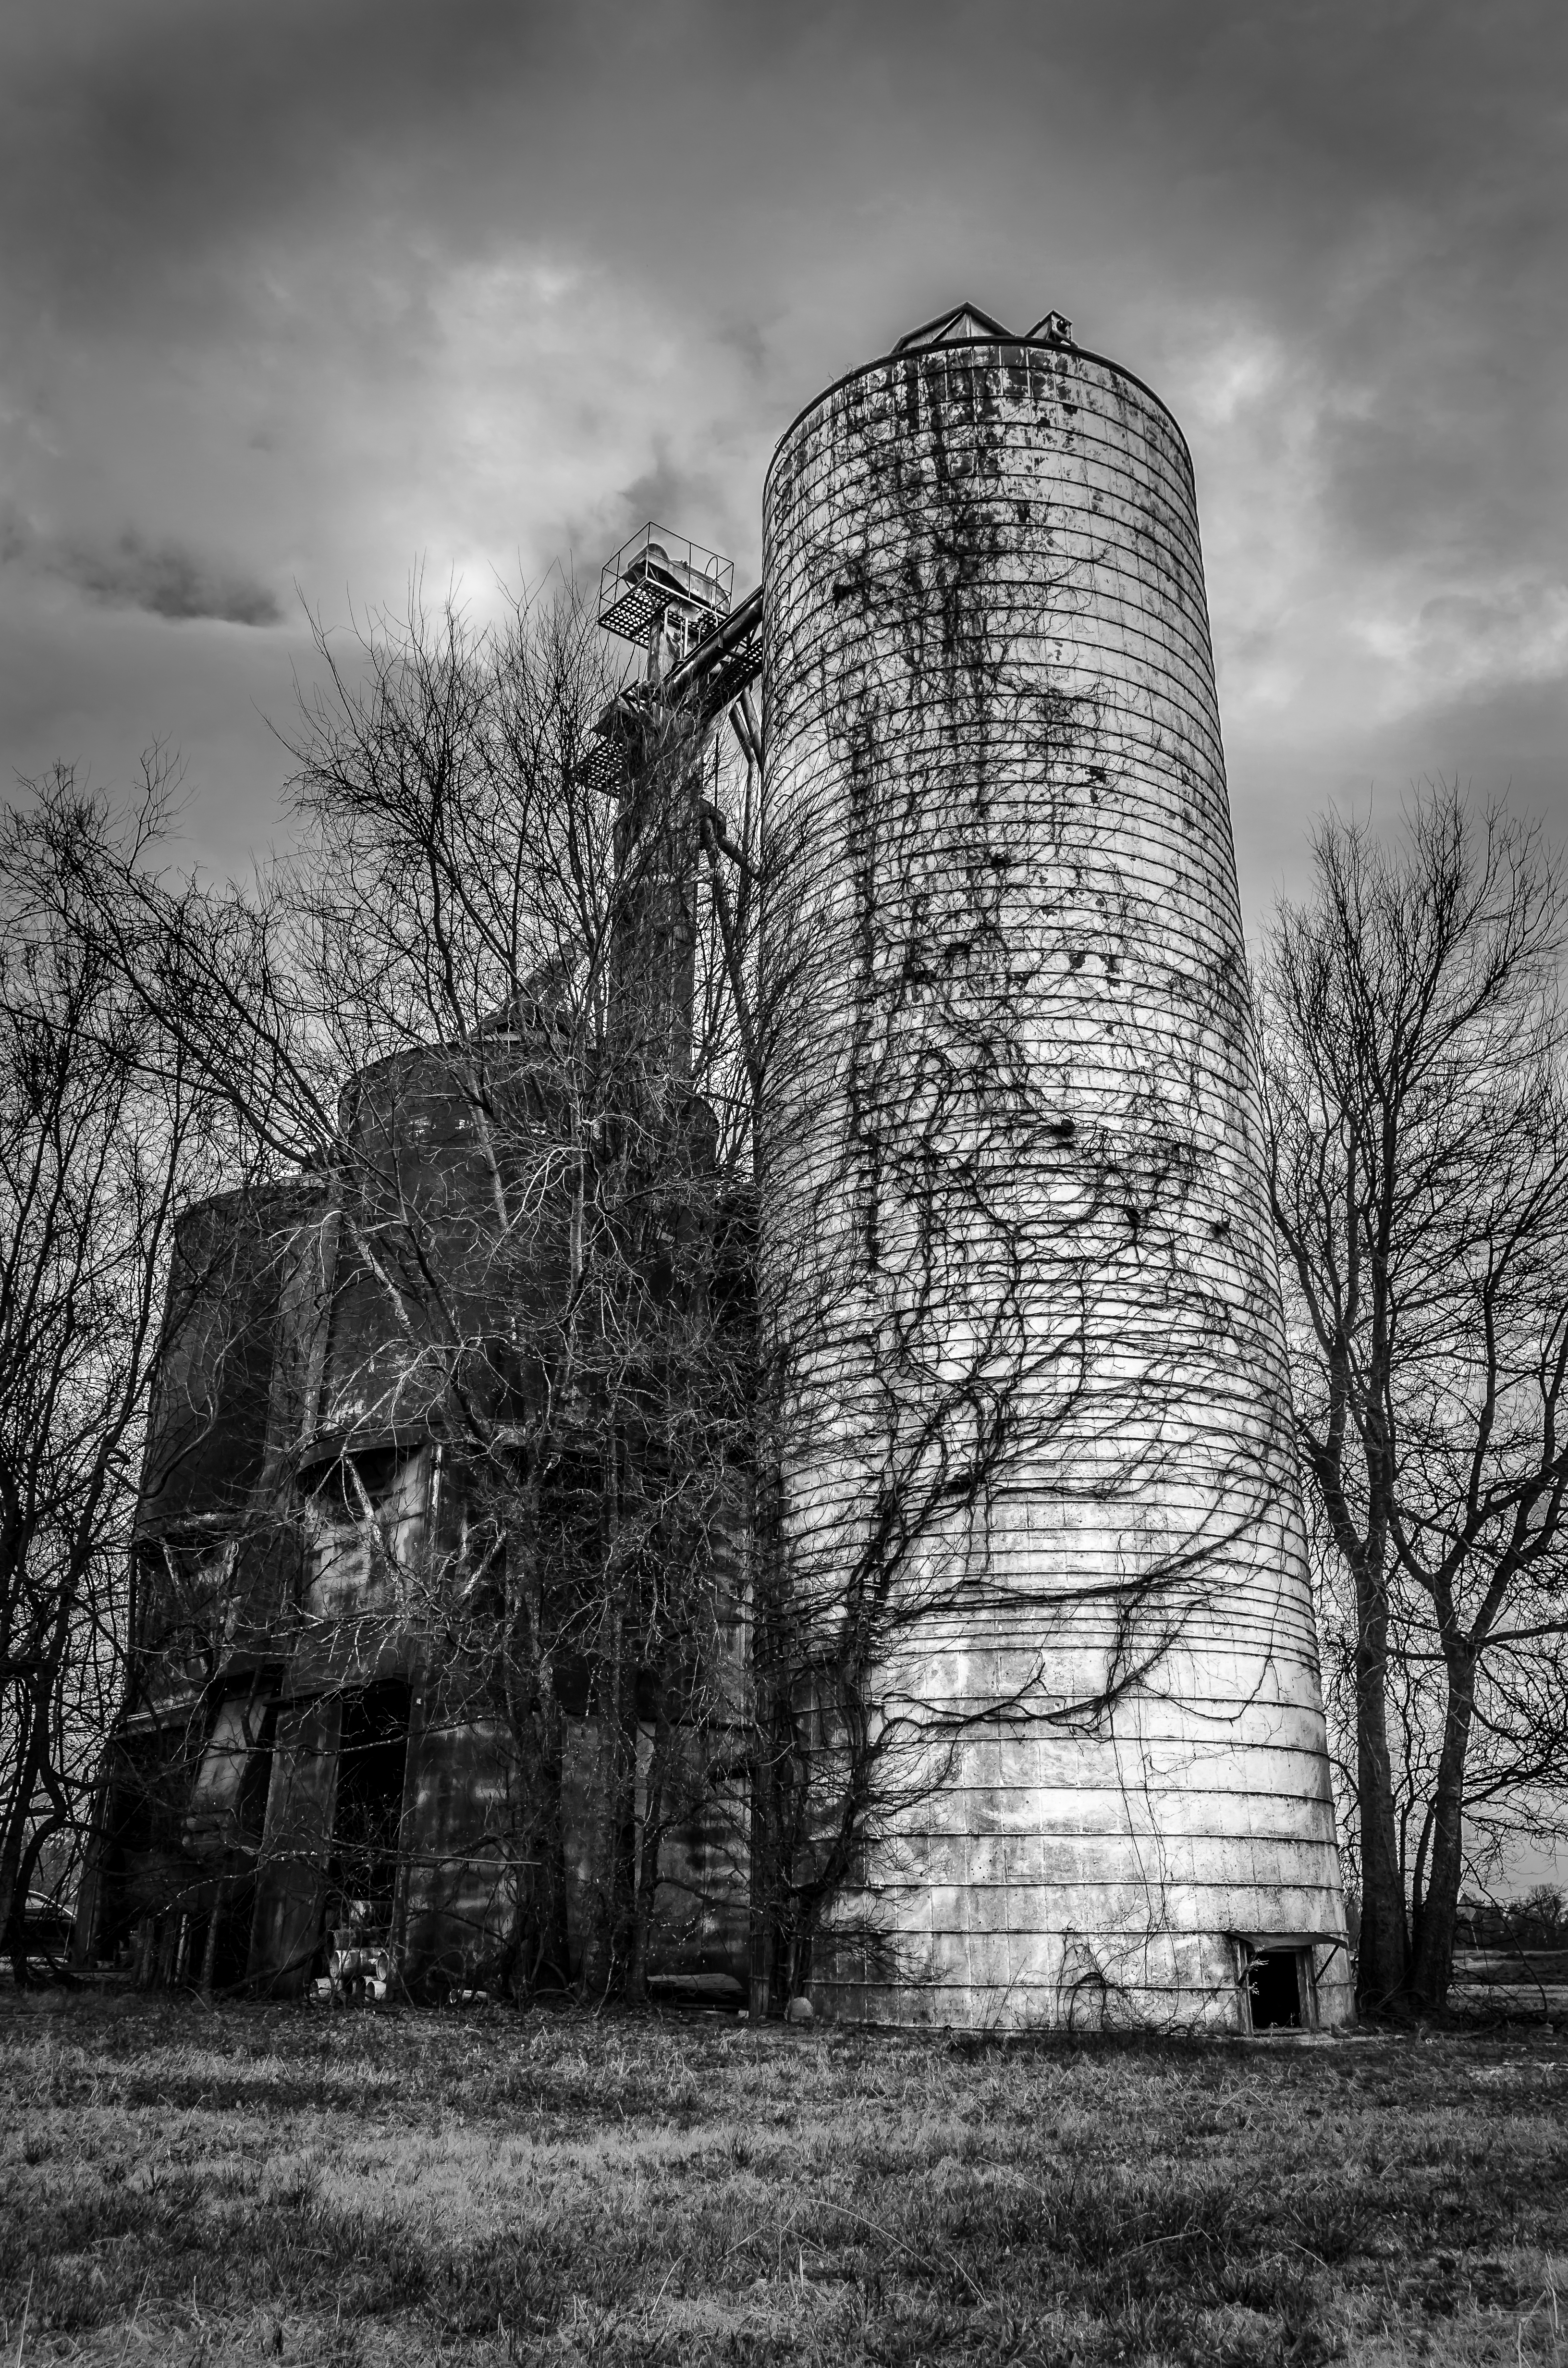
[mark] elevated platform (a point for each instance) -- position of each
(657, 571)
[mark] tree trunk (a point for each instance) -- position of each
(550, 1965)
(1383, 1962)
(85, 1931)
(31, 1766)
(13, 1929)
(1433, 1967)
(648, 1869)
(215, 1927)
(765, 1845)
(18, 1853)
(763, 1916)
(533, 1954)
(610, 1906)
(11, 1898)
(769, 1870)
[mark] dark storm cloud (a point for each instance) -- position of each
(667, 490)
(168, 581)
(164, 578)
(333, 285)
(142, 137)
(1188, 148)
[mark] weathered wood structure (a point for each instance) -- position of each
(311, 1762)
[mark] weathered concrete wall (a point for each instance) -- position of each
(1015, 1245)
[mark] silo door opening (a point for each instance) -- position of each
(1279, 1988)
(366, 1825)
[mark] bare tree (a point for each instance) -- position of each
(1418, 1115)
(492, 1010)
(93, 1163)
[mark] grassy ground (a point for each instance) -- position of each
(243, 2184)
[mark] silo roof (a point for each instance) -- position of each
(963, 321)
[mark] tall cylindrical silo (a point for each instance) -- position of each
(1042, 1548)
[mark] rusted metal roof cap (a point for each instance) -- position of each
(967, 321)
(949, 328)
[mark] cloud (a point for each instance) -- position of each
(334, 290)
(1482, 641)
(167, 579)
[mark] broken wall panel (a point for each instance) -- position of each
(223, 1813)
(362, 1522)
(292, 1877)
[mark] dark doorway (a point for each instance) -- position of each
(373, 1760)
(1274, 1986)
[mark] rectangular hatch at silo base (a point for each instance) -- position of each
(1277, 1987)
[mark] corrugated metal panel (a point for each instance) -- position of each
(1012, 1161)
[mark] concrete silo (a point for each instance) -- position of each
(1040, 1520)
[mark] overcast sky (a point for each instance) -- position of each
(299, 294)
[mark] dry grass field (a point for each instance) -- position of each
(248, 2184)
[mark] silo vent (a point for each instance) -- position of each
(967, 322)
(952, 328)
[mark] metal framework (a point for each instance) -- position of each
(663, 584)
(658, 571)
